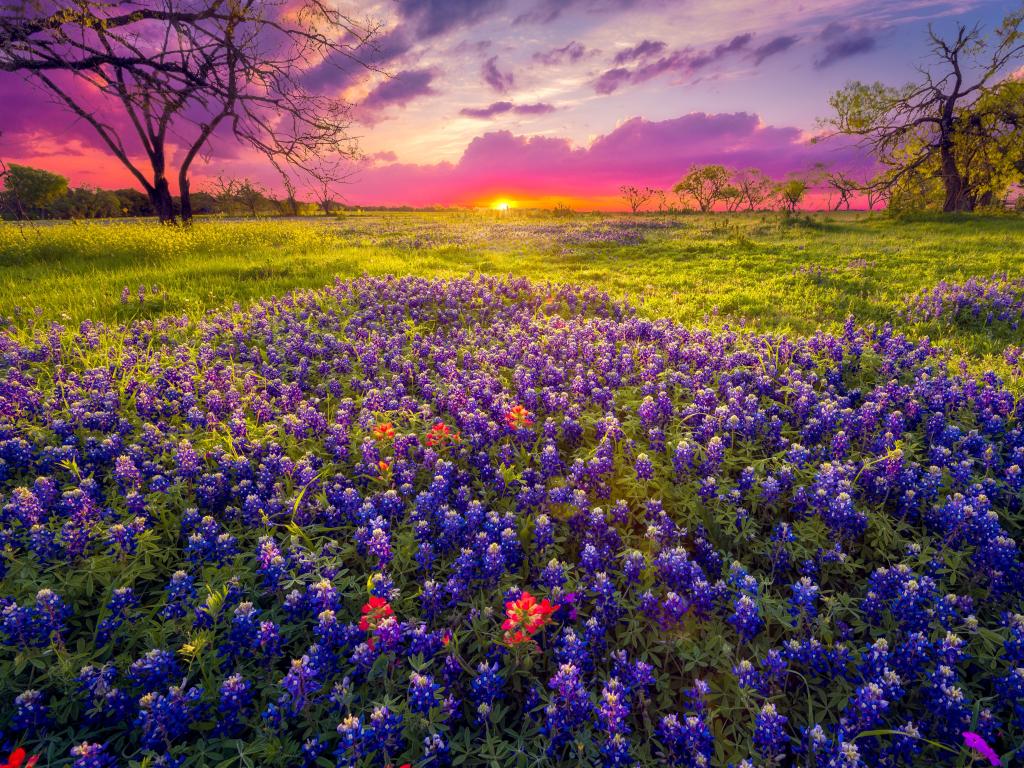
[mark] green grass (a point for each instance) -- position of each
(772, 273)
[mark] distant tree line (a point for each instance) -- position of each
(33, 193)
(28, 193)
(717, 187)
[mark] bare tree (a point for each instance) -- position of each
(876, 194)
(755, 186)
(179, 71)
(934, 124)
(239, 194)
(635, 197)
(327, 197)
(290, 204)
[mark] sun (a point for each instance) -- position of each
(501, 205)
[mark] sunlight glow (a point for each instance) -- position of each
(501, 205)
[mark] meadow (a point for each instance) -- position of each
(471, 489)
(772, 272)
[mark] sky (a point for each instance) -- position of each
(538, 102)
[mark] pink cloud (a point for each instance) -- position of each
(496, 163)
(642, 152)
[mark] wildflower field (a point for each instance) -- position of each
(437, 490)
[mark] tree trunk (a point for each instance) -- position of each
(186, 199)
(162, 201)
(958, 198)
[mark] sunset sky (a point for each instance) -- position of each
(540, 101)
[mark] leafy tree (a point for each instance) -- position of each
(28, 191)
(791, 192)
(181, 71)
(704, 185)
(135, 203)
(961, 124)
(635, 197)
(732, 196)
(87, 203)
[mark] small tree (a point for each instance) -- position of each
(876, 194)
(704, 185)
(791, 192)
(732, 196)
(756, 187)
(635, 197)
(235, 194)
(843, 187)
(28, 190)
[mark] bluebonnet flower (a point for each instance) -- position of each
(164, 718)
(422, 693)
(686, 742)
(301, 685)
(181, 594)
(770, 736)
(236, 698)
(91, 755)
(486, 689)
(30, 711)
(156, 670)
(121, 608)
(569, 708)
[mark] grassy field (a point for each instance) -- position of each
(774, 273)
(288, 534)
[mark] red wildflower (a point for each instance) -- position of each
(374, 612)
(977, 742)
(17, 759)
(441, 433)
(384, 467)
(384, 431)
(525, 617)
(518, 417)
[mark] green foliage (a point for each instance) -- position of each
(753, 267)
(792, 192)
(703, 185)
(28, 190)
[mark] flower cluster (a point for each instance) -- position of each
(525, 618)
(998, 300)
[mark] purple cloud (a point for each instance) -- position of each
(503, 107)
(396, 91)
(641, 50)
(683, 62)
(435, 17)
(774, 46)
(572, 52)
(843, 42)
(494, 77)
(547, 11)
(338, 71)
(610, 81)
